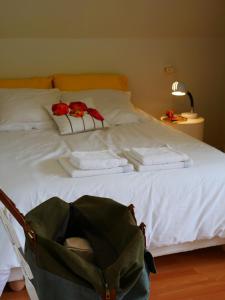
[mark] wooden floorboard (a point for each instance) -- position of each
(195, 275)
(9, 295)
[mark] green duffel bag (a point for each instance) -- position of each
(109, 261)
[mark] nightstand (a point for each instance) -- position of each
(193, 127)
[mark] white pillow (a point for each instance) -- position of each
(115, 105)
(68, 124)
(23, 108)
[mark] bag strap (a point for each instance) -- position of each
(10, 205)
(142, 225)
(131, 209)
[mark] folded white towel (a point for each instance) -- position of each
(158, 155)
(96, 160)
(157, 167)
(74, 172)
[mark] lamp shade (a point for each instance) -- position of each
(179, 89)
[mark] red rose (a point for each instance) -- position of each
(60, 109)
(74, 106)
(95, 114)
(174, 118)
(170, 114)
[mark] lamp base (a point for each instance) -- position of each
(189, 115)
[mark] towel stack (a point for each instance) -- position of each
(91, 163)
(157, 158)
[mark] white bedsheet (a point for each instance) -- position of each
(178, 206)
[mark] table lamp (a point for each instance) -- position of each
(179, 89)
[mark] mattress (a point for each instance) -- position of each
(178, 206)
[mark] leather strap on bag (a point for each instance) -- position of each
(131, 209)
(10, 205)
(142, 226)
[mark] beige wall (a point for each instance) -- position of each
(111, 18)
(198, 61)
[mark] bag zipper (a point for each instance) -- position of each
(107, 292)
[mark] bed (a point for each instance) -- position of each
(183, 209)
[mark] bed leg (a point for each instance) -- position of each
(17, 286)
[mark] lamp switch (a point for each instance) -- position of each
(169, 69)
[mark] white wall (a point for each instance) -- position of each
(199, 62)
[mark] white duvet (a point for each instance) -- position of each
(177, 206)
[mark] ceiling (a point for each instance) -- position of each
(111, 18)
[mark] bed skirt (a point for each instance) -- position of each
(187, 246)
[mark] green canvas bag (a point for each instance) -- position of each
(121, 265)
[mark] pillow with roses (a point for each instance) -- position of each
(76, 117)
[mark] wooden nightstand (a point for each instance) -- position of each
(193, 127)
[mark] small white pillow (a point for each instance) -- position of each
(70, 124)
(22, 109)
(115, 105)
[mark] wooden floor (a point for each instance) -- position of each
(196, 275)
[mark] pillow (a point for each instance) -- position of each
(115, 105)
(76, 117)
(22, 109)
(90, 81)
(34, 83)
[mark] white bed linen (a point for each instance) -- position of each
(178, 206)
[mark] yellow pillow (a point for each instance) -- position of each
(33, 83)
(90, 81)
